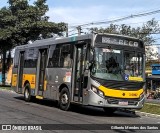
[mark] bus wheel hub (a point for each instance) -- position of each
(26, 94)
(64, 99)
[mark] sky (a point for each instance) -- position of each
(75, 12)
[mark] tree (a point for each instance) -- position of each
(31, 21)
(21, 22)
(6, 23)
(144, 33)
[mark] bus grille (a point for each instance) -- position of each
(116, 101)
(120, 85)
(123, 85)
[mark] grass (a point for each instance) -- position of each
(151, 108)
(6, 88)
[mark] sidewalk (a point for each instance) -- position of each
(152, 101)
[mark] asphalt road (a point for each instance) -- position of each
(14, 110)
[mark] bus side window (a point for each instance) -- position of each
(16, 58)
(54, 60)
(62, 56)
(65, 58)
(31, 56)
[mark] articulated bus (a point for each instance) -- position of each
(102, 70)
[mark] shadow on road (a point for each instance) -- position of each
(86, 110)
(95, 111)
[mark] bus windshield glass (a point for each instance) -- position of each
(114, 64)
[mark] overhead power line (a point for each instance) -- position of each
(119, 19)
(149, 33)
(144, 22)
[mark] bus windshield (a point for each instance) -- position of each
(115, 64)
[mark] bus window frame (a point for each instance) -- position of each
(60, 47)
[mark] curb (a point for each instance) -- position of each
(148, 114)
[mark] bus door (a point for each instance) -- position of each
(41, 70)
(20, 71)
(79, 59)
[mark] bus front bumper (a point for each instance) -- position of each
(96, 100)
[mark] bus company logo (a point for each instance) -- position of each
(123, 94)
(126, 77)
(6, 127)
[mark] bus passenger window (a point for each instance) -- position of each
(54, 60)
(65, 58)
(62, 56)
(67, 61)
(16, 58)
(31, 56)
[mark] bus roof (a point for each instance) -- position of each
(49, 41)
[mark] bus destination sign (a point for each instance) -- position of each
(118, 41)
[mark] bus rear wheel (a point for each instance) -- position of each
(109, 111)
(27, 94)
(64, 99)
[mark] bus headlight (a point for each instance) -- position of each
(97, 91)
(101, 93)
(94, 89)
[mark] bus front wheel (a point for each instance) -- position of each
(64, 99)
(27, 94)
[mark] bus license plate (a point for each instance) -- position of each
(123, 103)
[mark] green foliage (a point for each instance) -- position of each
(6, 23)
(21, 22)
(151, 108)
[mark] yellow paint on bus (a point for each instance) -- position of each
(39, 97)
(31, 78)
(14, 80)
(120, 93)
(136, 78)
(45, 85)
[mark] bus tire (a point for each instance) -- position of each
(109, 111)
(27, 93)
(64, 99)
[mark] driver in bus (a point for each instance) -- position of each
(112, 66)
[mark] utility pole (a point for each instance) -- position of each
(79, 30)
(66, 29)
